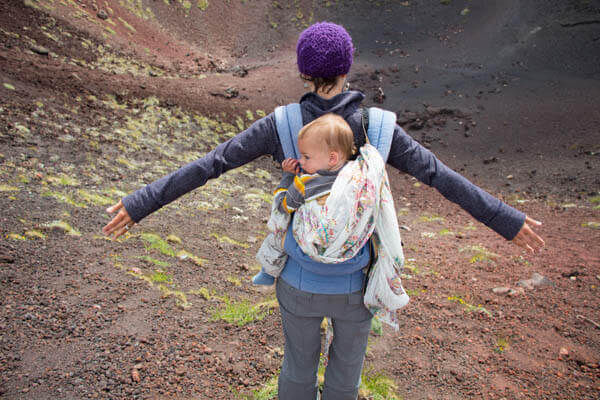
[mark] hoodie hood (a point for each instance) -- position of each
(344, 104)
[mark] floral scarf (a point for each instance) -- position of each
(359, 207)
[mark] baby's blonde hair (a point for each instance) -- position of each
(334, 131)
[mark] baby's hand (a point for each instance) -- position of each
(291, 165)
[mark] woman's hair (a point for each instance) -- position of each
(321, 83)
(334, 131)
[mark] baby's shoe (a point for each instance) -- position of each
(262, 278)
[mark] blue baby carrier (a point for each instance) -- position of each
(380, 130)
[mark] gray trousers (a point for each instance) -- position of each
(301, 316)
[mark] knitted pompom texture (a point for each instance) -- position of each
(324, 50)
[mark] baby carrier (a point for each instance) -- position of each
(383, 292)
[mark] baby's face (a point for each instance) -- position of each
(314, 154)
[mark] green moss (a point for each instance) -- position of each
(240, 313)
(154, 241)
(411, 266)
(268, 391)
(8, 188)
(35, 234)
(64, 226)
(64, 198)
(137, 8)
(470, 307)
(126, 163)
(174, 239)
(161, 277)
(181, 300)
(203, 4)
(127, 25)
(154, 261)
(235, 281)
(431, 218)
(226, 239)
(502, 344)
(591, 224)
(116, 192)
(202, 292)
(186, 255)
(240, 123)
(480, 253)
(263, 174)
(16, 236)
(22, 130)
(257, 194)
(377, 386)
(94, 198)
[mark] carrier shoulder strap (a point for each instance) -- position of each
(379, 127)
(380, 131)
(288, 120)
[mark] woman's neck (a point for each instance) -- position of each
(329, 94)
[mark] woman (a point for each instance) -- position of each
(307, 290)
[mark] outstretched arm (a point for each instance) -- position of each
(259, 139)
(409, 156)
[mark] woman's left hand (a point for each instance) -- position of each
(527, 238)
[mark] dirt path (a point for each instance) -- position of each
(506, 93)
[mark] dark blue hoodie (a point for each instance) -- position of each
(261, 139)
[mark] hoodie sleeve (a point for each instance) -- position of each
(410, 157)
(258, 140)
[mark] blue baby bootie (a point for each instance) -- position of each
(262, 278)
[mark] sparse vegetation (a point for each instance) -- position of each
(241, 312)
(154, 241)
(202, 292)
(62, 225)
(591, 224)
(161, 277)
(502, 344)
(227, 239)
(470, 307)
(154, 261)
(431, 218)
(234, 280)
(377, 386)
(91, 121)
(268, 391)
(480, 253)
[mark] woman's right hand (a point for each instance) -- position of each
(120, 222)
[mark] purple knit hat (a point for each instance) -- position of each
(324, 50)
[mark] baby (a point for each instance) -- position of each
(325, 145)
